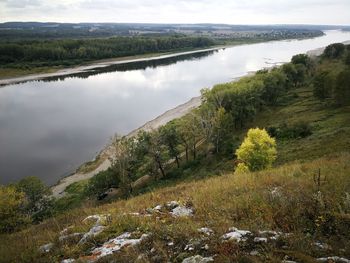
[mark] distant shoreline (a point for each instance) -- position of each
(102, 64)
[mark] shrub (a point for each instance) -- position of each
(342, 88)
(101, 182)
(12, 203)
(293, 131)
(258, 150)
(334, 50)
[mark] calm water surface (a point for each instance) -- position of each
(48, 128)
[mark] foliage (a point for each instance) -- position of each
(290, 131)
(72, 51)
(334, 51)
(101, 182)
(323, 85)
(12, 203)
(342, 88)
(258, 150)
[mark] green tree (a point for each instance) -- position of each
(322, 85)
(35, 191)
(12, 203)
(333, 51)
(258, 150)
(171, 139)
(342, 88)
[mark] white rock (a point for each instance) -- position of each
(205, 247)
(254, 253)
(198, 259)
(172, 204)
(321, 245)
(334, 258)
(99, 219)
(115, 244)
(94, 231)
(170, 244)
(69, 260)
(46, 248)
(181, 211)
(205, 230)
(236, 234)
(158, 208)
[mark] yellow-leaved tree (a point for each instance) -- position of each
(257, 152)
(11, 206)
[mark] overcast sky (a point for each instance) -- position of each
(179, 11)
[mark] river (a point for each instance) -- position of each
(49, 127)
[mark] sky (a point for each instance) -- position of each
(332, 12)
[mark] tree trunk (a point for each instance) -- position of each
(161, 169)
(177, 161)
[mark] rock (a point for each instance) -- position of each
(94, 231)
(288, 261)
(205, 247)
(99, 219)
(237, 235)
(205, 230)
(260, 239)
(65, 231)
(46, 248)
(172, 204)
(170, 244)
(97, 228)
(321, 245)
(333, 259)
(114, 245)
(198, 259)
(181, 211)
(254, 253)
(270, 234)
(69, 260)
(158, 208)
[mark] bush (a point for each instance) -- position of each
(101, 182)
(334, 51)
(342, 88)
(322, 85)
(294, 131)
(12, 203)
(258, 150)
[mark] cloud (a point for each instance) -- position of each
(179, 11)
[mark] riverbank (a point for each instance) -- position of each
(57, 72)
(103, 163)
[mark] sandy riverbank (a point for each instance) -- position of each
(97, 65)
(177, 112)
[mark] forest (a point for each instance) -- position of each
(27, 54)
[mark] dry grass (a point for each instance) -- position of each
(245, 201)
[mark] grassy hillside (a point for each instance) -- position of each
(285, 199)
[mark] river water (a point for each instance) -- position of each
(49, 127)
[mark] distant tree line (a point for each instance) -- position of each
(73, 51)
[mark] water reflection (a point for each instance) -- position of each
(130, 66)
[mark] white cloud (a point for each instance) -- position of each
(179, 11)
